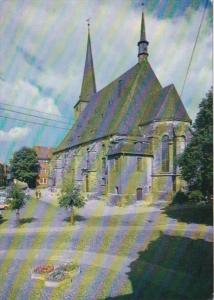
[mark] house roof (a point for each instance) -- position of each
(134, 98)
(43, 152)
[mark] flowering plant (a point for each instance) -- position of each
(56, 275)
(43, 269)
(67, 267)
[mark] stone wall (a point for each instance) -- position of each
(119, 176)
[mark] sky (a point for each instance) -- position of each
(43, 48)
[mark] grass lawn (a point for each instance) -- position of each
(164, 266)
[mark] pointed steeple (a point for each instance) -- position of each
(143, 43)
(88, 83)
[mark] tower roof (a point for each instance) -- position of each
(88, 83)
(143, 43)
(143, 29)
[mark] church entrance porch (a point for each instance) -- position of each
(139, 194)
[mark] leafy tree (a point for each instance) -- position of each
(196, 162)
(70, 195)
(25, 166)
(16, 199)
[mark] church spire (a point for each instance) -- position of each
(88, 83)
(143, 43)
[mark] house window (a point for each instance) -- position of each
(165, 153)
(139, 164)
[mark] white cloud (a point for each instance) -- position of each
(55, 34)
(23, 93)
(14, 134)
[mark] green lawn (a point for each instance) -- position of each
(168, 266)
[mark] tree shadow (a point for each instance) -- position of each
(121, 220)
(195, 213)
(23, 221)
(2, 220)
(172, 268)
(77, 218)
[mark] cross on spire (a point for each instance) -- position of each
(88, 23)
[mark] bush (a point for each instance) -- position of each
(180, 198)
(196, 196)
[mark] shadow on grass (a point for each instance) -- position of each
(23, 221)
(200, 214)
(172, 268)
(2, 220)
(134, 219)
(77, 218)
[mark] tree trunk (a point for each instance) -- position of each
(17, 216)
(72, 217)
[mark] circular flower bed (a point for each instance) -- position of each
(54, 276)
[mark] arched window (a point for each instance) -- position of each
(165, 153)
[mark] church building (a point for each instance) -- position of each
(126, 137)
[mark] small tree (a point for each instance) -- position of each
(70, 195)
(25, 166)
(16, 200)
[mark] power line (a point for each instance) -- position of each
(31, 115)
(31, 122)
(22, 107)
(193, 50)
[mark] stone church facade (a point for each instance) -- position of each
(126, 137)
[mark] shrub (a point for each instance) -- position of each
(196, 196)
(180, 198)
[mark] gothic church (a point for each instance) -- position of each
(126, 136)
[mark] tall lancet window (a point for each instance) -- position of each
(182, 144)
(165, 153)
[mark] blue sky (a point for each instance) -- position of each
(42, 53)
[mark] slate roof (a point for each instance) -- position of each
(135, 98)
(43, 152)
(88, 84)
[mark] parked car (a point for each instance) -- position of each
(3, 200)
